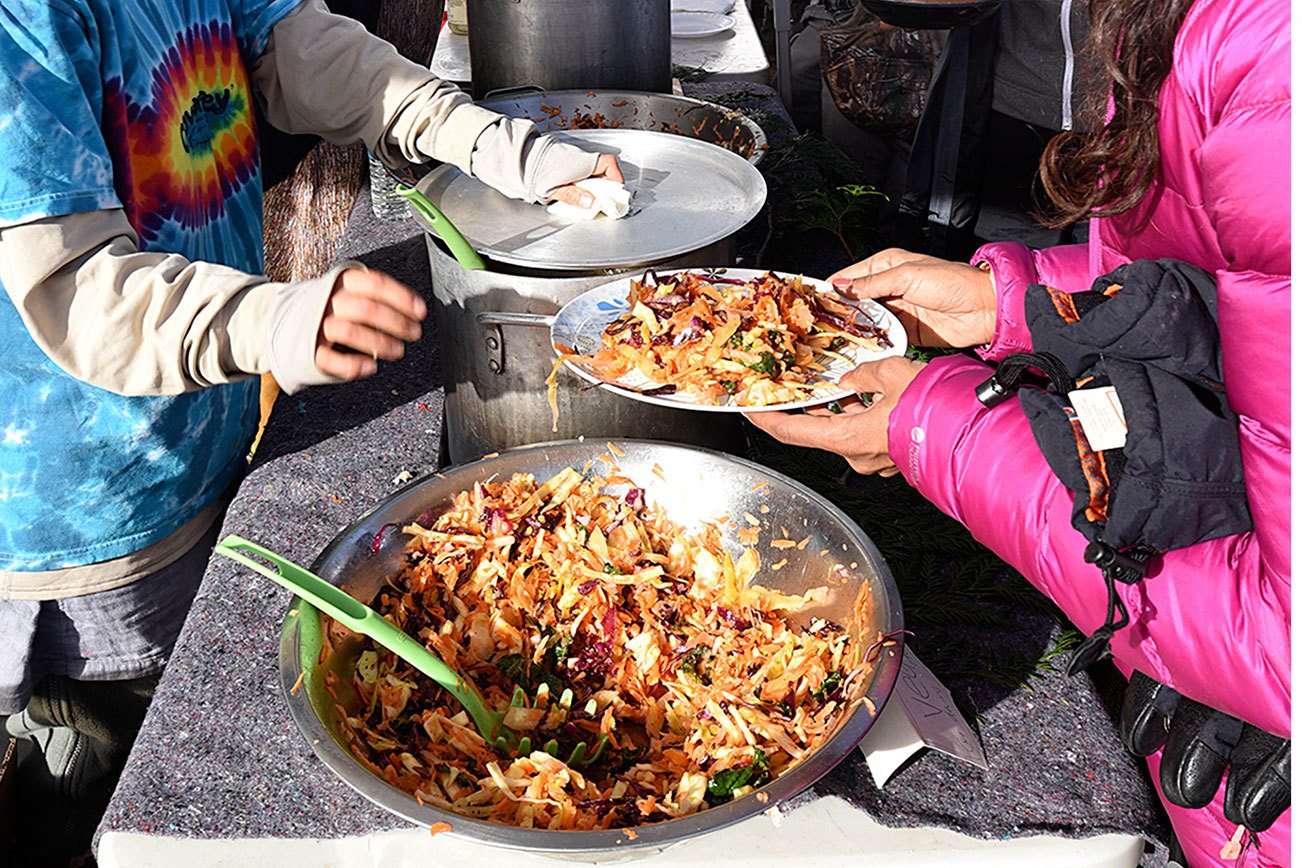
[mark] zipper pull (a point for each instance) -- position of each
(1233, 848)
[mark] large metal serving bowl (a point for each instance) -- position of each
(558, 110)
(697, 485)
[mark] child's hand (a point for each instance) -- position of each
(369, 317)
(607, 167)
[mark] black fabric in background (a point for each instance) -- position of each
(282, 152)
(1010, 196)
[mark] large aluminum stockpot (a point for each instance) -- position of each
(557, 110)
(690, 199)
(622, 44)
(495, 366)
(693, 486)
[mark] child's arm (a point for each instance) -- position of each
(158, 324)
(324, 74)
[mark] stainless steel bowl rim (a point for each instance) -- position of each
(657, 835)
(499, 99)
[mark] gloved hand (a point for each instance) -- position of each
(1257, 790)
(1200, 744)
(1198, 747)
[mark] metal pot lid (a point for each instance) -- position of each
(687, 194)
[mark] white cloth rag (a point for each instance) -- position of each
(608, 197)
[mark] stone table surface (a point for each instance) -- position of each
(219, 757)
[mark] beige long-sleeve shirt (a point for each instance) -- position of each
(183, 325)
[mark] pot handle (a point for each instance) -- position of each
(501, 318)
(513, 90)
(495, 341)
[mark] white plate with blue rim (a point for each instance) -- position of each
(686, 24)
(718, 7)
(579, 326)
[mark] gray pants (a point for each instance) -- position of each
(79, 674)
(73, 739)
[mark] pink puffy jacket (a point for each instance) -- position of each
(1213, 621)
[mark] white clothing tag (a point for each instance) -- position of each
(920, 713)
(1101, 417)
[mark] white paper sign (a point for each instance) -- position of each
(1101, 417)
(920, 713)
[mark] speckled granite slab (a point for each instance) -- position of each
(219, 756)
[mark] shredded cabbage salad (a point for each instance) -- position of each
(618, 623)
(716, 339)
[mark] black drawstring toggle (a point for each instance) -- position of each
(1008, 376)
(1126, 567)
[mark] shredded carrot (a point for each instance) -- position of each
(298, 682)
(715, 340)
(619, 623)
(440, 828)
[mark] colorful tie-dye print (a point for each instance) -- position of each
(143, 105)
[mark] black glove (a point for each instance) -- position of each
(1146, 713)
(1257, 790)
(1200, 744)
(1198, 748)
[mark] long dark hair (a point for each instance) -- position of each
(1108, 171)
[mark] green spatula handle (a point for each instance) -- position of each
(359, 618)
(452, 237)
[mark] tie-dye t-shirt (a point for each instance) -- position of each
(142, 105)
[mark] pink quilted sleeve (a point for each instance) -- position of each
(1207, 620)
(1016, 266)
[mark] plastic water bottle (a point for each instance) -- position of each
(385, 201)
(457, 17)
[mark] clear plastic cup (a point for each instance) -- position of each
(385, 201)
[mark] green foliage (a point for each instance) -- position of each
(845, 211)
(833, 165)
(689, 74)
(836, 197)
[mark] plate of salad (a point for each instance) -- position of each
(722, 340)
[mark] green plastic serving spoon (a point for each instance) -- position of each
(360, 618)
(457, 244)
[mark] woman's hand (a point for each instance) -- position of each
(941, 303)
(859, 433)
(572, 194)
(369, 317)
